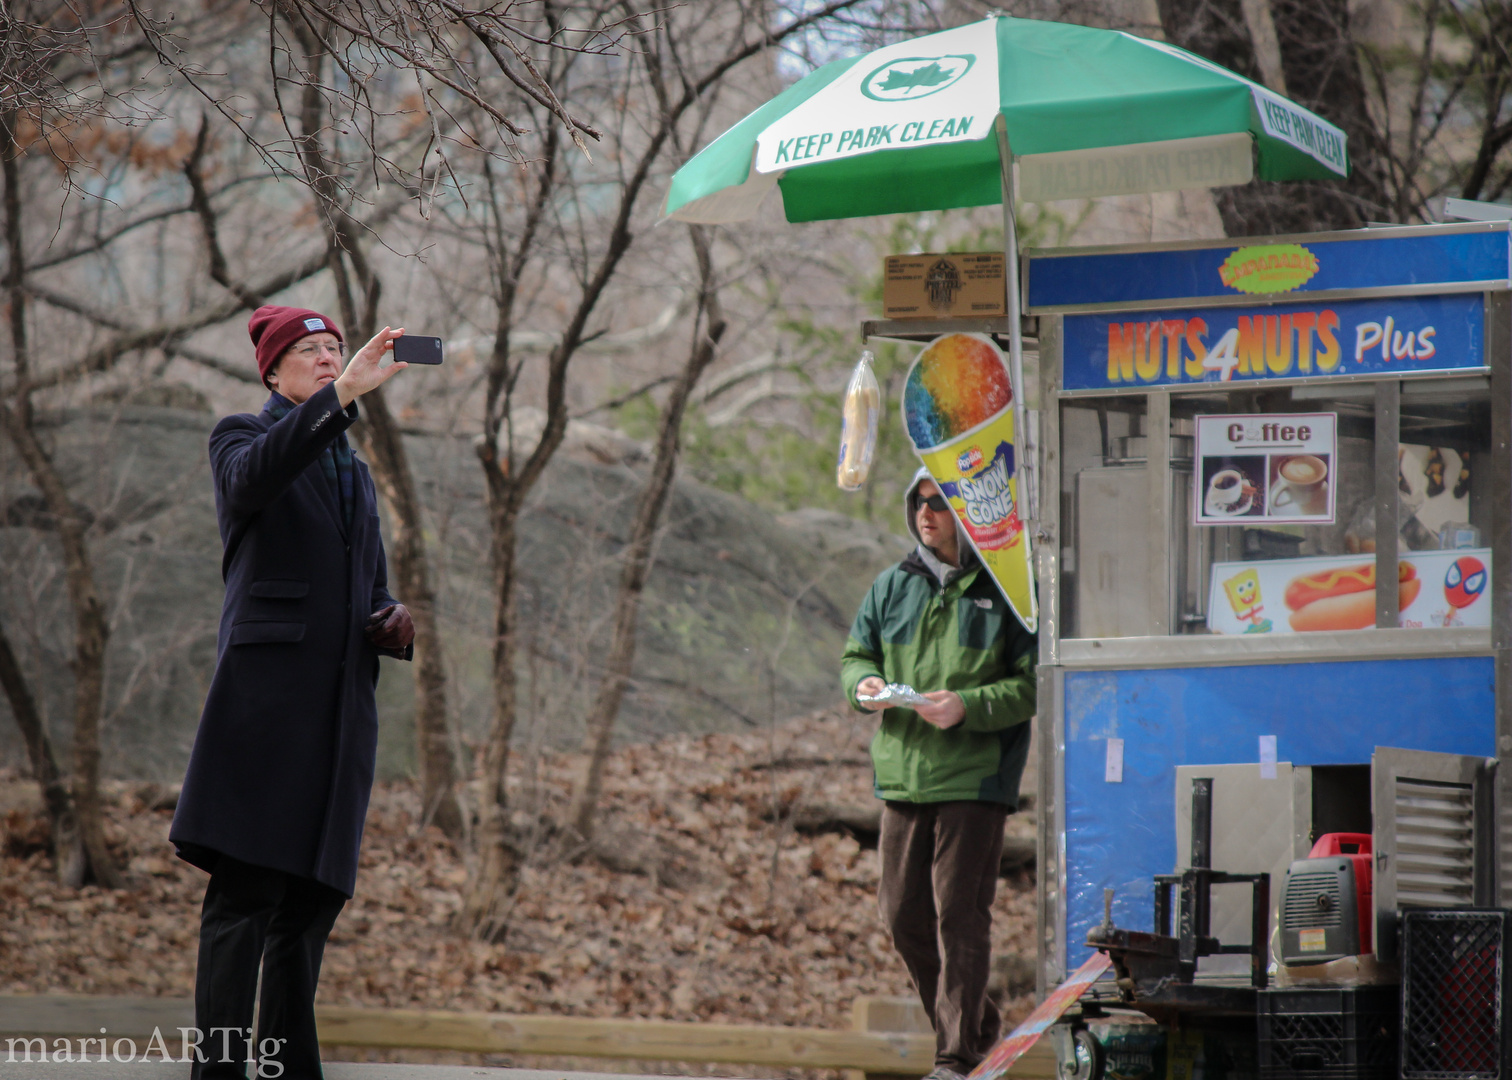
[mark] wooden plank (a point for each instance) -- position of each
(649, 1040)
(890, 1014)
(502, 1033)
(66, 1014)
(905, 1014)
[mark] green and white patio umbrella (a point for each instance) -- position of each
(1086, 112)
(939, 121)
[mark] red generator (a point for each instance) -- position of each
(1327, 906)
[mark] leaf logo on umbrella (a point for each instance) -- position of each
(913, 77)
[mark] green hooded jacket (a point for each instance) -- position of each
(934, 628)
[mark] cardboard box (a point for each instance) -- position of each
(944, 286)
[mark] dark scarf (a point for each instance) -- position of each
(335, 461)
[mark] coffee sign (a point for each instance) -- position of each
(1266, 469)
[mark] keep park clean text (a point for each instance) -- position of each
(804, 147)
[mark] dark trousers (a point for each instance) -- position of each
(256, 916)
(939, 874)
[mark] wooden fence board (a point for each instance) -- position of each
(502, 1033)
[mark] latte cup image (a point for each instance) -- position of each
(1301, 484)
(1225, 491)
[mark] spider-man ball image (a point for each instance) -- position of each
(1465, 581)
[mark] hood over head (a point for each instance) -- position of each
(942, 571)
(911, 503)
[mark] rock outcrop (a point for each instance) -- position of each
(742, 625)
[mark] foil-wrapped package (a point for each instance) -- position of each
(896, 694)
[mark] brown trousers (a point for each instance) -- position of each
(939, 874)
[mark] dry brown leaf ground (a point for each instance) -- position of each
(716, 909)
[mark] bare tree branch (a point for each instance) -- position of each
(90, 629)
(200, 201)
(167, 334)
(169, 344)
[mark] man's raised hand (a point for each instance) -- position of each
(363, 372)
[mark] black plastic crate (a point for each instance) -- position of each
(1455, 983)
(1328, 1033)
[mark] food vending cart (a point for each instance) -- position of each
(1237, 440)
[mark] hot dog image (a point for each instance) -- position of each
(1344, 599)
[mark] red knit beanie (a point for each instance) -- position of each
(275, 328)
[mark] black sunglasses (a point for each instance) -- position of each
(936, 503)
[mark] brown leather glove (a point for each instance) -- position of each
(391, 628)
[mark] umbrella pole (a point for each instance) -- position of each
(1029, 488)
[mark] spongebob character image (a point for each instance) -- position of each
(1243, 590)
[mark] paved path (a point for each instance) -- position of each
(334, 1071)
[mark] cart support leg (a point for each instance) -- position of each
(1499, 356)
(1260, 932)
(1388, 410)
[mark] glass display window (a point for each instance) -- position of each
(1269, 508)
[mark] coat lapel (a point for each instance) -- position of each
(313, 479)
(333, 500)
(362, 507)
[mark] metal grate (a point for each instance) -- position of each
(1306, 1043)
(1435, 840)
(1344, 1033)
(1453, 971)
(1303, 893)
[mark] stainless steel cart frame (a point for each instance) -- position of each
(1170, 639)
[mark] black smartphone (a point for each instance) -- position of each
(413, 349)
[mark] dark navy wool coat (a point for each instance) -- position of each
(283, 760)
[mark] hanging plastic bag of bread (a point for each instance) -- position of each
(861, 415)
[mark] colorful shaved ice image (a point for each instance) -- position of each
(958, 382)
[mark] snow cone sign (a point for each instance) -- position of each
(991, 513)
(958, 410)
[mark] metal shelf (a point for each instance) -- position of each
(923, 330)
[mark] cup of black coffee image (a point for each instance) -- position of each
(1230, 487)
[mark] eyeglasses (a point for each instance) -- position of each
(312, 349)
(936, 503)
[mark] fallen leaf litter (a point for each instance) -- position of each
(709, 905)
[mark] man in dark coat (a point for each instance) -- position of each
(282, 767)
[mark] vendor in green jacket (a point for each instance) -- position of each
(948, 771)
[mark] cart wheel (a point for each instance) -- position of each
(1088, 1055)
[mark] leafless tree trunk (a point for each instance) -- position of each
(382, 443)
(1496, 126)
(1322, 71)
(1483, 75)
(1321, 63)
(90, 629)
(485, 901)
(484, 910)
(1215, 29)
(708, 328)
(67, 845)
